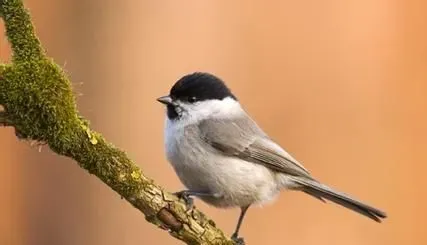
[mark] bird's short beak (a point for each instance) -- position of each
(167, 100)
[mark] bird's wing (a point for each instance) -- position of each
(242, 138)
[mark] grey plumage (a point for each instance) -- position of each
(317, 189)
(221, 155)
(253, 145)
(241, 137)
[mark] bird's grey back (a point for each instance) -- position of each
(241, 137)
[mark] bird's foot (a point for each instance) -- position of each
(185, 195)
(238, 240)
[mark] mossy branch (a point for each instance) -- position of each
(38, 102)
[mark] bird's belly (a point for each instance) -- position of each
(231, 181)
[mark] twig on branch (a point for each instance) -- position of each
(38, 100)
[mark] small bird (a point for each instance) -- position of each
(224, 158)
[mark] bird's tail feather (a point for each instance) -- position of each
(322, 192)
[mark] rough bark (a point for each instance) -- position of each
(38, 101)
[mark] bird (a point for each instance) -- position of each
(223, 157)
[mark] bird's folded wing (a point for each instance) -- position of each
(243, 138)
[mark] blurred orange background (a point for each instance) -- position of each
(340, 84)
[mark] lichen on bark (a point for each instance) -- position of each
(38, 101)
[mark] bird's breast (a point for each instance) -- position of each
(184, 148)
(202, 168)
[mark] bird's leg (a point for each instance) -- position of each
(235, 237)
(186, 196)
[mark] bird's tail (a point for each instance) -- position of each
(322, 192)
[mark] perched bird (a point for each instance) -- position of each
(223, 157)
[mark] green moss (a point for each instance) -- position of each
(39, 99)
(39, 102)
(20, 31)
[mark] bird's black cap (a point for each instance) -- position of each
(200, 86)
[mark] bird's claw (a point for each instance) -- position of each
(237, 240)
(189, 201)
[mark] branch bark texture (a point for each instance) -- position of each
(39, 103)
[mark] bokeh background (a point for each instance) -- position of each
(340, 84)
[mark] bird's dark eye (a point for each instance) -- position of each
(192, 99)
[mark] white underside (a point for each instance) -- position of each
(233, 181)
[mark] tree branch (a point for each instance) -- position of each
(39, 103)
